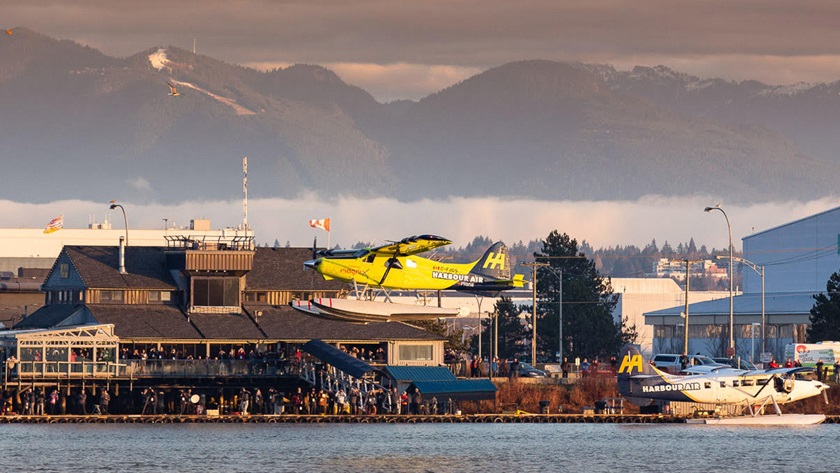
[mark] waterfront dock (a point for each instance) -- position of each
(357, 419)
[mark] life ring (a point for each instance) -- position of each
(788, 385)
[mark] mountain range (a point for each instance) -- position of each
(76, 123)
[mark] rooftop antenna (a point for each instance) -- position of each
(245, 193)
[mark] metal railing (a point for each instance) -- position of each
(332, 379)
(149, 369)
(62, 369)
(199, 368)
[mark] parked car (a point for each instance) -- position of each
(671, 363)
(744, 365)
(528, 371)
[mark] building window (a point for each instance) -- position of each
(111, 296)
(160, 296)
(416, 352)
(64, 270)
(216, 292)
(256, 296)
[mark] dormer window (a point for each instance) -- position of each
(111, 296)
(64, 270)
(160, 296)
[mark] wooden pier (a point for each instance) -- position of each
(356, 419)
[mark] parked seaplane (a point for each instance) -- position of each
(642, 384)
(396, 266)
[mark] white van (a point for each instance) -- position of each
(809, 353)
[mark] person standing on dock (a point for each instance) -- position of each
(258, 402)
(341, 400)
(81, 401)
(40, 399)
(104, 400)
(54, 402)
(150, 402)
(354, 400)
(416, 400)
(244, 399)
(837, 371)
(404, 403)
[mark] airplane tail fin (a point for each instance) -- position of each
(632, 363)
(495, 262)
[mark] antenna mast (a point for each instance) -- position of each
(245, 192)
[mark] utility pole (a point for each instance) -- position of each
(687, 286)
(534, 265)
(560, 318)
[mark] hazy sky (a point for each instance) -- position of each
(407, 49)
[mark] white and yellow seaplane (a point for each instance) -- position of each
(396, 266)
(643, 384)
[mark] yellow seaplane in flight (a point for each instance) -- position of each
(396, 266)
(643, 384)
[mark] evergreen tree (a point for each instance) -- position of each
(825, 314)
(692, 249)
(587, 302)
(511, 331)
(454, 335)
(276, 243)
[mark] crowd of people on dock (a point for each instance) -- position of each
(156, 401)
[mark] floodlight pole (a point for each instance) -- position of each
(760, 271)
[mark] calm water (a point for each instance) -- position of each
(417, 448)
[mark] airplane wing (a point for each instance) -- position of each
(789, 370)
(412, 245)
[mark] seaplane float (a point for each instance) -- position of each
(396, 267)
(643, 384)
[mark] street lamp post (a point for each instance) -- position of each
(479, 299)
(114, 205)
(752, 343)
(731, 350)
(760, 271)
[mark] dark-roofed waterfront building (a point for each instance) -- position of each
(211, 316)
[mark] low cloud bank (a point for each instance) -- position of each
(607, 223)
